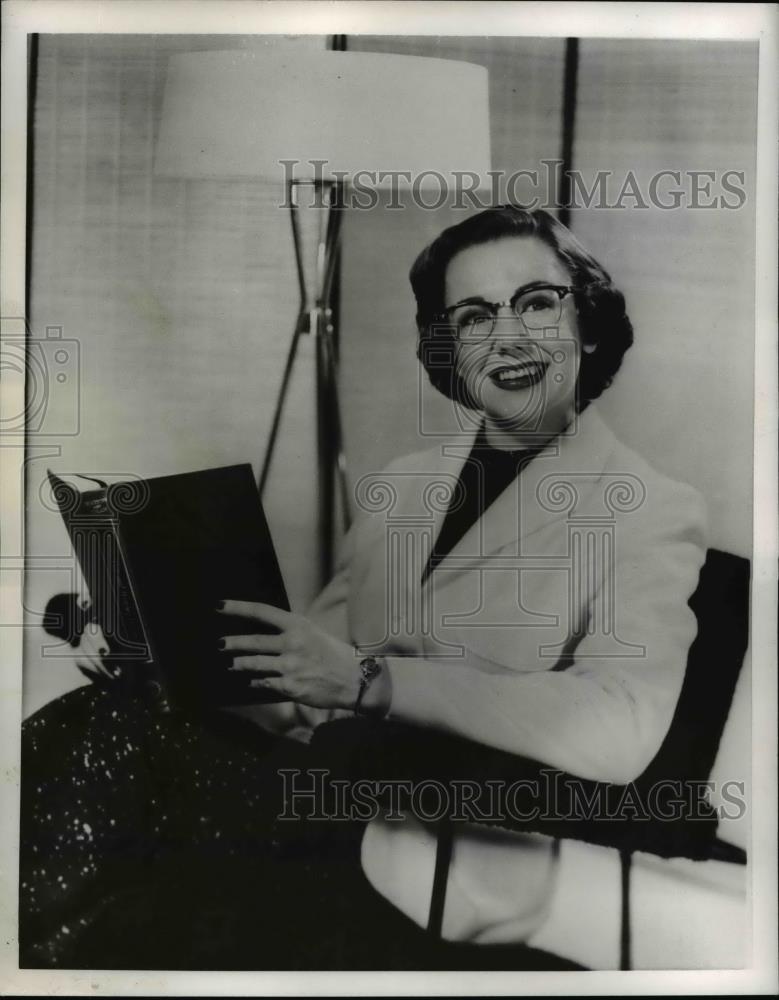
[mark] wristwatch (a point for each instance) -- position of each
(370, 668)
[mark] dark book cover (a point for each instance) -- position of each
(157, 555)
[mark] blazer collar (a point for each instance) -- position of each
(573, 462)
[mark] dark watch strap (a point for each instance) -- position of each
(370, 668)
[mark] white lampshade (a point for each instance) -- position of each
(236, 114)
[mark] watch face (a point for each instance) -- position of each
(369, 667)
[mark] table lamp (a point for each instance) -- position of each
(313, 121)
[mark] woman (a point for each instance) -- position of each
(549, 618)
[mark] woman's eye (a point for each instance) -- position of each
(471, 314)
(536, 302)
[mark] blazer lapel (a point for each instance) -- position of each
(562, 475)
(424, 498)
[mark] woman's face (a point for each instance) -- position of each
(522, 378)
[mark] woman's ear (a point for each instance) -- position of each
(589, 348)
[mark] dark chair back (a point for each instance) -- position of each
(721, 605)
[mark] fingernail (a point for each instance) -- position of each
(220, 644)
(220, 605)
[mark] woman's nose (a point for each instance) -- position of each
(508, 325)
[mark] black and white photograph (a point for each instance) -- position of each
(389, 545)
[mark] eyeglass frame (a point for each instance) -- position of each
(561, 290)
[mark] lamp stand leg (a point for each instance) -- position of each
(326, 457)
(280, 401)
(443, 857)
(316, 317)
(625, 861)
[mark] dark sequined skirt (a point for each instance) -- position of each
(153, 842)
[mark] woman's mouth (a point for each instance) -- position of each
(519, 374)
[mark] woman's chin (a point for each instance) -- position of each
(532, 420)
(517, 408)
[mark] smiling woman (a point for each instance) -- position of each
(539, 608)
(536, 271)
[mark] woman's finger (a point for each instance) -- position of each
(253, 643)
(93, 641)
(91, 675)
(257, 664)
(269, 684)
(94, 648)
(95, 666)
(89, 644)
(90, 662)
(265, 613)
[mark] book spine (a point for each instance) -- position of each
(96, 536)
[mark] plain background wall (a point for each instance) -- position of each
(182, 296)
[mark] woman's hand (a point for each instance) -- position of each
(71, 619)
(302, 662)
(92, 652)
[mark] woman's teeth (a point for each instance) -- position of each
(522, 373)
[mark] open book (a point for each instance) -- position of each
(157, 555)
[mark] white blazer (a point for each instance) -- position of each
(557, 628)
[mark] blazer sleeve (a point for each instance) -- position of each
(603, 718)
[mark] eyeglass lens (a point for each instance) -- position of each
(538, 309)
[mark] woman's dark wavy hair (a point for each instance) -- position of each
(600, 306)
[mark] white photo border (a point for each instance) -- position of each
(606, 20)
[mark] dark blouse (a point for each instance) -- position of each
(485, 475)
